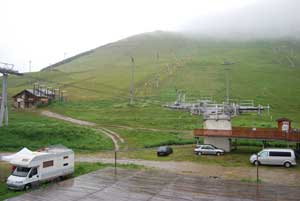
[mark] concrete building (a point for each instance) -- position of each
(218, 122)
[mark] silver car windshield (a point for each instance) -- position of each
(21, 171)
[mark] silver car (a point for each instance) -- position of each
(208, 149)
(285, 157)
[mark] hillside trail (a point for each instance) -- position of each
(115, 137)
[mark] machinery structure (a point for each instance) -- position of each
(5, 69)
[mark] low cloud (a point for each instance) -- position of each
(263, 19)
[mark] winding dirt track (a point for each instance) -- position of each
(116, 138)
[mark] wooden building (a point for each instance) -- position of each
(284, 125)
(29, 98)
(219, 133)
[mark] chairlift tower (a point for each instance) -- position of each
(227, 69)
(132, 87)
(5, 69)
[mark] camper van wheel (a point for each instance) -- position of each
(58, 179)
(218, 153)
(27, 187)
(199, 153)
(287, 164)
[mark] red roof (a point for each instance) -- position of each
(283, 119)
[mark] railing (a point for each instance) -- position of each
(258, 133)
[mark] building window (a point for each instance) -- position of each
(66, 164)
(48, 164)
(66, 157)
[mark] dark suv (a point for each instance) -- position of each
(164, 151)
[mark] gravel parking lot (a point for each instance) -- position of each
(157, 185)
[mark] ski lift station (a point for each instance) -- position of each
(217, 130)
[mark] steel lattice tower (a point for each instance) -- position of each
(5, 69)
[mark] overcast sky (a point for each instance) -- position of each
(46, 31)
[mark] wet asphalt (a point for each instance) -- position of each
(154, 185)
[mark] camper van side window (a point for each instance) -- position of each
(47, 164)
(66, 164)
(66, 157)
(280, 154)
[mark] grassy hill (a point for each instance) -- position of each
(97, 82)
(34, 132)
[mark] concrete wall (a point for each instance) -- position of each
(218, 123)
(220, 142)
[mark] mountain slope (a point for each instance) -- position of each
(267, 71)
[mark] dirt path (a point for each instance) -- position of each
(272, 175)
(151, 129)
(113, 138)
(65, 118)
(116, 138)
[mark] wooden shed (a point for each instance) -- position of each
(29, 98)
(284, 124)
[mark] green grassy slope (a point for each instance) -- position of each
(267, 71)
(34, 132)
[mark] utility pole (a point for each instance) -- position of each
(5, 69)
(227, 85)
(132, 89)
(227, 69)
(157, 81)
(29, 66)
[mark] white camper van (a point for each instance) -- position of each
(31, 167)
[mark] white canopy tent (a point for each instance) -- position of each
(23, 152)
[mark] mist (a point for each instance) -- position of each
(36, 34)
(268, 19)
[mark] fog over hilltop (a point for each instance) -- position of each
(263, 19)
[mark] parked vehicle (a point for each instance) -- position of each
(164, 151)
(34, 167)
(208, 149)
(285, 157)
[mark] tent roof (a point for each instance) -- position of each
(23, 157)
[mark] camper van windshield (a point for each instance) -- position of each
(21, 172)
